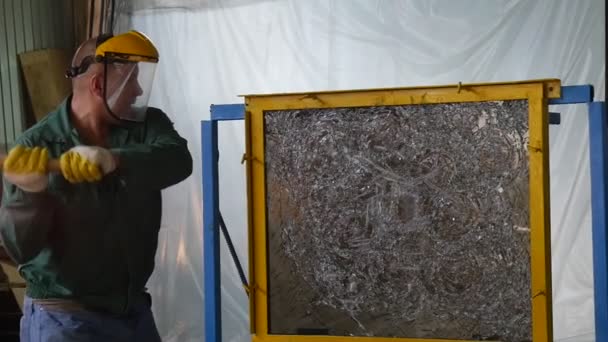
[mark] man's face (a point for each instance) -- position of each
(123, 89)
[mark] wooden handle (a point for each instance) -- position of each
(53, 164)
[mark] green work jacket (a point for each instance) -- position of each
(94, 243)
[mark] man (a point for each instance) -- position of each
(85, 238)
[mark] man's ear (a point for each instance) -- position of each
(96, 85)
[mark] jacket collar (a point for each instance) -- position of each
(118, 134)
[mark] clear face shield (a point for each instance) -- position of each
(127, 87)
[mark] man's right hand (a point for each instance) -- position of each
(26, 167)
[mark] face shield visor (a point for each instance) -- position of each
(127, 87)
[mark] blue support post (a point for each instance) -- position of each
(211, 237)
(598, 148)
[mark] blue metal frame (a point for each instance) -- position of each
(598, 149)
(598, 152)
(598, 139)
(574, 94)
(211, 216)
(211, 233)
(228, 112)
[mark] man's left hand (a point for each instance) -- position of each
(86, 164)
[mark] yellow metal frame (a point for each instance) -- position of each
(537, 92)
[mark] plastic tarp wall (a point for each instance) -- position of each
(213, 50)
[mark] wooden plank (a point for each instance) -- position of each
(79, 21)
(16, 280)
(14, 118)
(96, 20)
(44, 74)
(5, 97)
(540, 233)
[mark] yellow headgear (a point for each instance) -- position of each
(132, 46)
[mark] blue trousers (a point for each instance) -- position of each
(41, 324)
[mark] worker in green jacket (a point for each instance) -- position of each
(85, 238)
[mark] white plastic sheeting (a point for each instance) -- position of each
(213, 50)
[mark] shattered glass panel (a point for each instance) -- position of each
(399, 221)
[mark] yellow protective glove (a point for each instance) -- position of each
(86, 164)
(27, 167)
